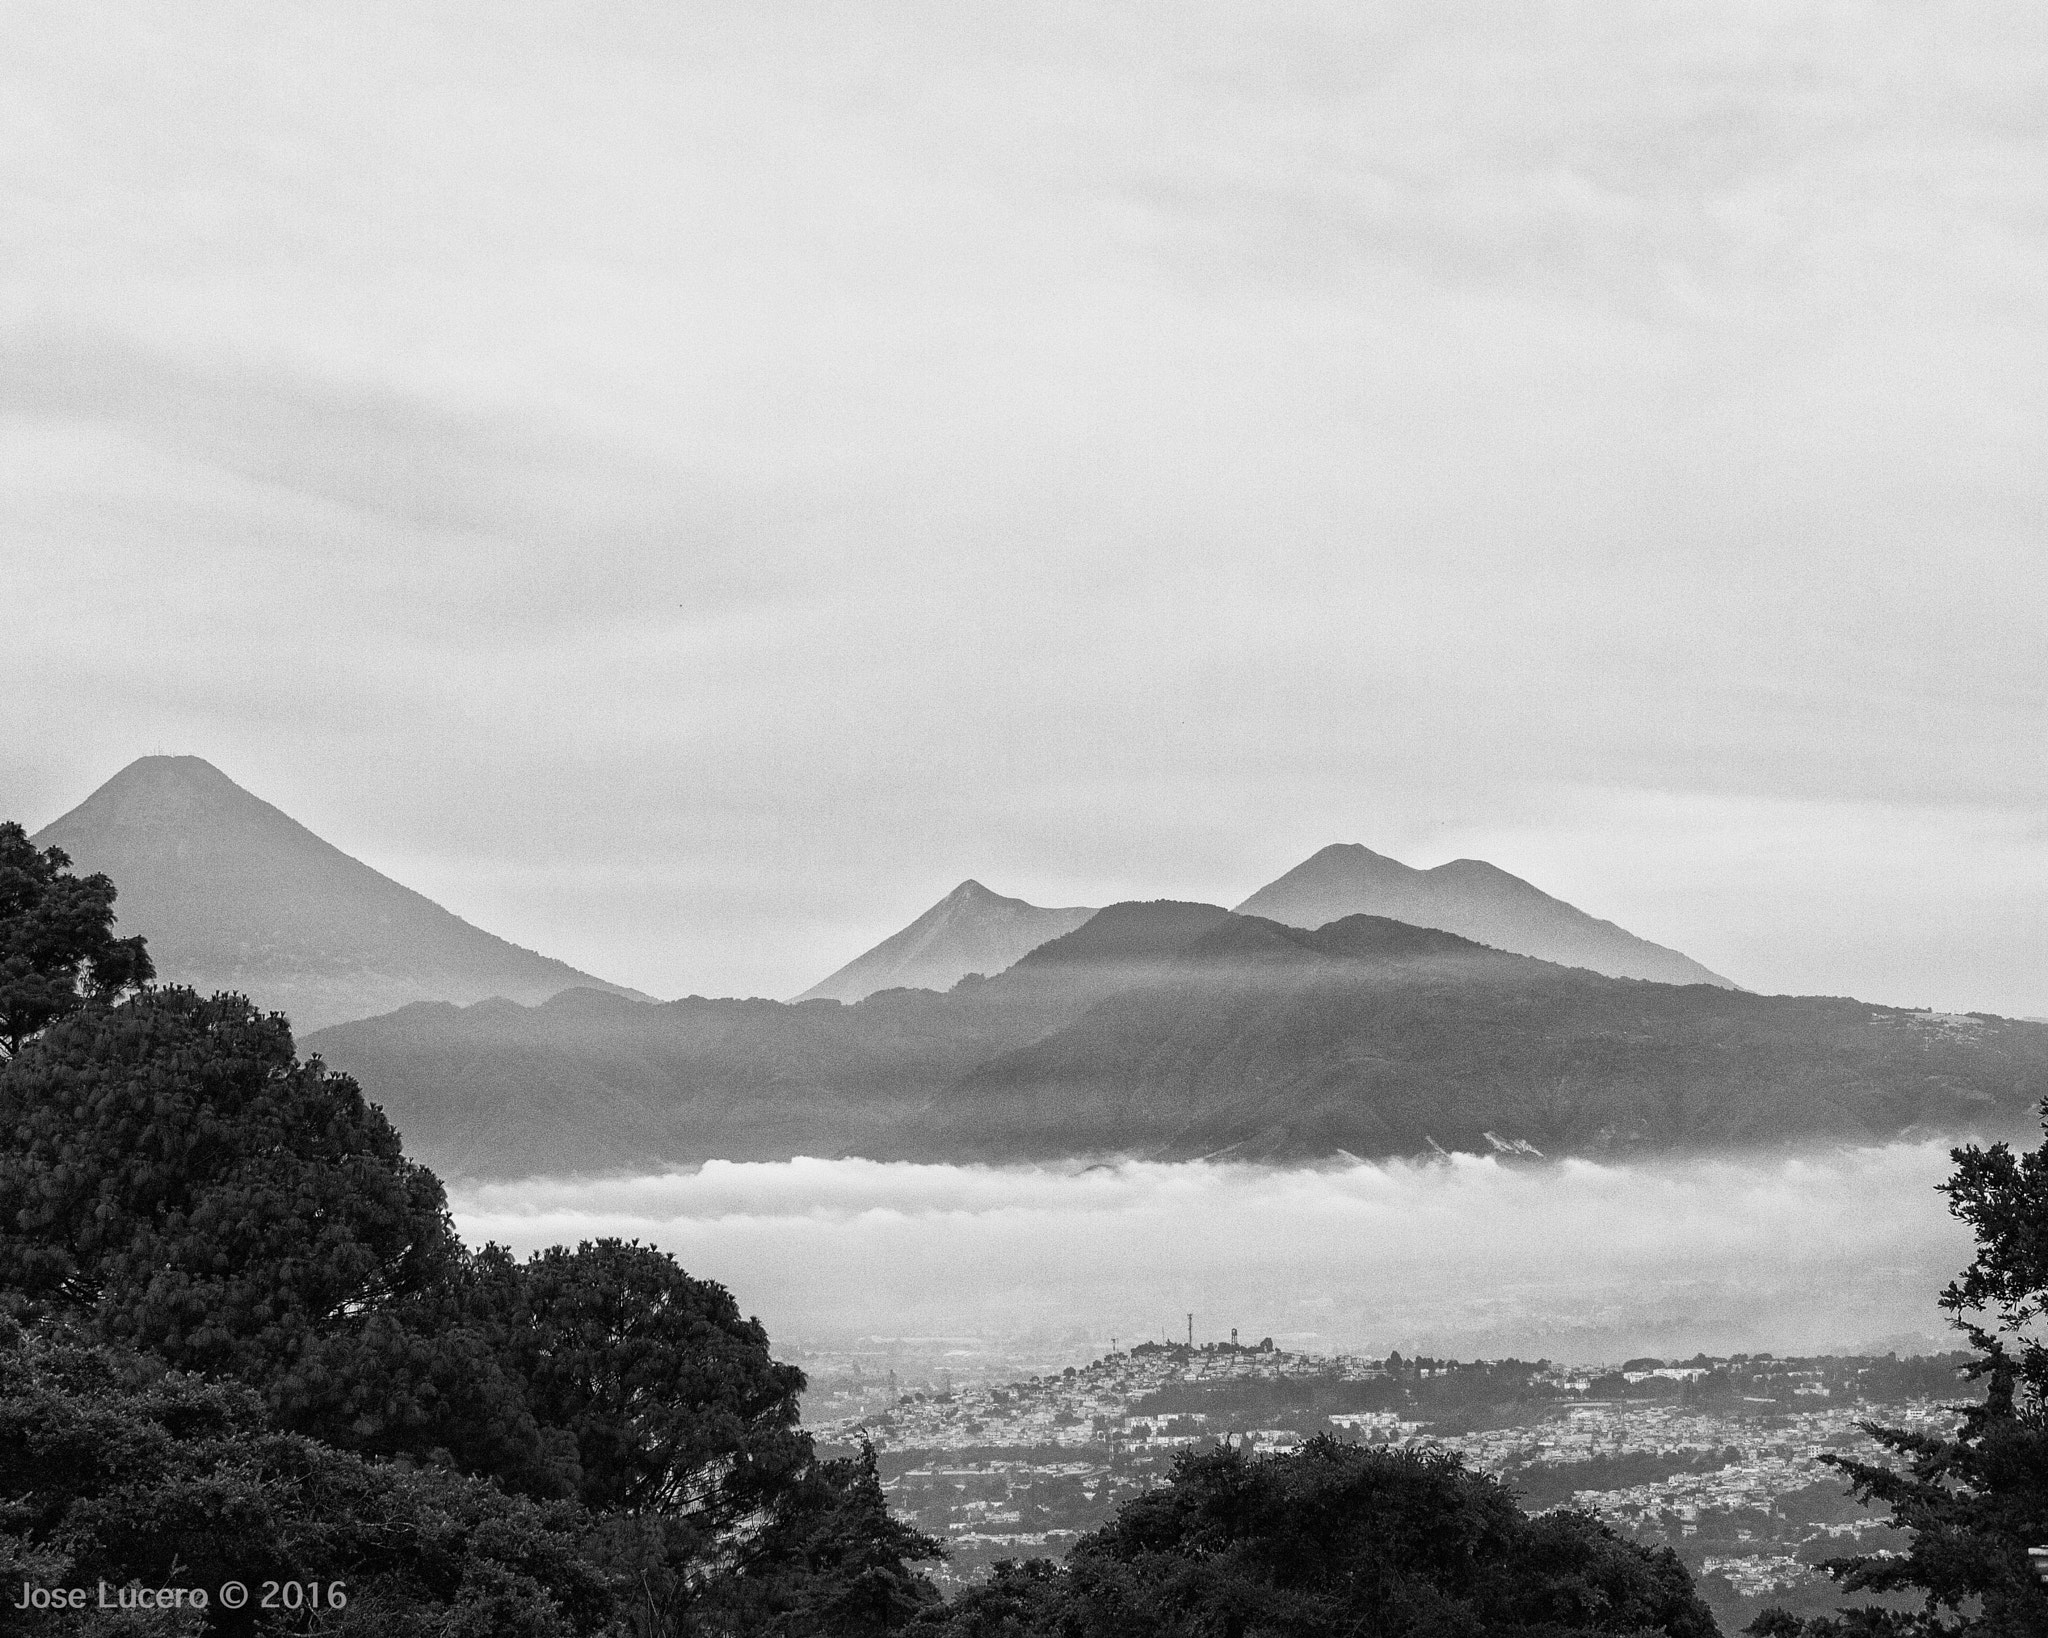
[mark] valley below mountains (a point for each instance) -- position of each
(1174, 1031)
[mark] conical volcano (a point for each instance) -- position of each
(970, 930)
(233, 894)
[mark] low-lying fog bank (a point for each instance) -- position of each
(1827, 1251)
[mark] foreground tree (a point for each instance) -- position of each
(183, 1201)
(57, 946)
(1972, 1502)
(670, 1395)
(820, 1558)
(114, 1469)
(172, 1167)
(239, 1338)
(178, 1182)
(1335, 1538)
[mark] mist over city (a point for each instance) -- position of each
(1832, 1251)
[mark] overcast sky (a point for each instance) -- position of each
(684, 485)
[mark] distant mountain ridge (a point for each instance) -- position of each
(1175, 1031)
(970, 930)
(234, 894)
(1473, 899)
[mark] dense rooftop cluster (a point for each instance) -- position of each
(1720, 1457)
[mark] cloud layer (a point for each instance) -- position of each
(1575, 1261)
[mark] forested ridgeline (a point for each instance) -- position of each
(241, 1346)
(1175, 1032)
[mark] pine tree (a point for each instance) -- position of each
(1974, 1500)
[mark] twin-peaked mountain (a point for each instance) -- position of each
(233, 894)
(972, 930)
(1469, 897)
(1179, 1031)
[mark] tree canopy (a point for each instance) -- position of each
(1335, 1538)
(172, 1166)
(114, 1468)
(57, 944)
(177, 1180)
(670, 1395)
(243, 1328)
(1973, 1500)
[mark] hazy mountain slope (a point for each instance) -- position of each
(1473, 899)
(1373, 1037)
(587, 1082)
(233, 894)
(1176, 1031)
(1125, 944)
(970, 930)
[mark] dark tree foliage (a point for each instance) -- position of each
(179, 1194)
(1336, 1538)
(176, 1178)
(239, 1337)
(114, 1469)
(175, 1174)
(172, 1166)
(1974, 1502)
(671, 1396)
(1028, 1600)
(57, 945)
(823, 1559)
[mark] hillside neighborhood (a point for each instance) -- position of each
(1721, 1458)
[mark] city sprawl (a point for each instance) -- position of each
(1720, 1458)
